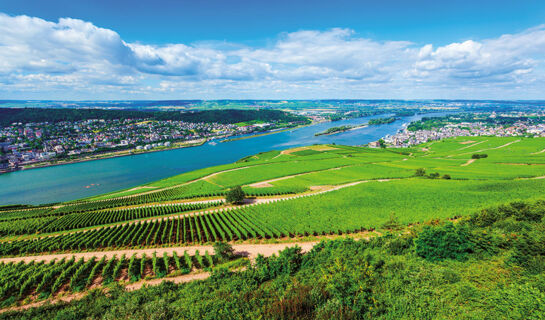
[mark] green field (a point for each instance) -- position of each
(383, 183)
(300, 194)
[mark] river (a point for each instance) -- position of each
(85, 179)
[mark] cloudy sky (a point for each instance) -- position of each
(272, 50)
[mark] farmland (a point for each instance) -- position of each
(292, 195)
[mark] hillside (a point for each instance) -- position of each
(301, 196)
(227, 116)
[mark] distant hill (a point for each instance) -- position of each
(25, 115)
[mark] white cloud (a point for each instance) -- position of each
(74, 58)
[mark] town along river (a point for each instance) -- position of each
(85, 179)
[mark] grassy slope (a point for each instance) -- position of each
(480, 183)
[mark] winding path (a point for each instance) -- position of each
(249, 250)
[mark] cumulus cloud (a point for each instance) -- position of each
(39, 56)
(505, 59)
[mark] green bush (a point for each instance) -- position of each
(444, 242)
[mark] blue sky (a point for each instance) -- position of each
(271, 49)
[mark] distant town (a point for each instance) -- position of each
(478, 124)
(37, 143)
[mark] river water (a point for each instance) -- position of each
(85, 179)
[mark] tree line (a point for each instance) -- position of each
(26, 115)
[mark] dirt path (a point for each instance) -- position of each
(67, 298)
(539, 152)
(248, 202)
(493, 148)
(171, 187)
(250, 250)
(470, 161)
(267, 183)
(178, 279)
(472, 145)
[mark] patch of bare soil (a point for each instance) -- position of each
(470, 161)
(55, 300)
(319, 188)
(261, 185)
(467, 142)
(177, 279)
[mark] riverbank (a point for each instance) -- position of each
(67, 183)
(269, 132)
(110, 155)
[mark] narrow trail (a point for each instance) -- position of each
(539, 152)
(171, 187)
(261, 184)
(249, 250)
(481, 150)
(470, 161)
(248, 202)
(179, 279)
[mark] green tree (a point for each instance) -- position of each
(434, 175)
(420, 172)
(235, 195)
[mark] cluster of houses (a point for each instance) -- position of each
(406, 138)
(23, 144)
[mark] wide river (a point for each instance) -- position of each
(85, 179)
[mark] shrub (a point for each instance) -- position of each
(529, 252)
(444, 242)
(434, 175)
(479, 156)
(399, 244)
(392, 223)
(235, 195)
(446, 177)
(420, 172)
(224, 251)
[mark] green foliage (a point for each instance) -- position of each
(378, 121)
(434, 175)
(392, 223)
(224, 251)
(8, 115)
(444, 242)
(479, 156)
(420, 172)
(287, 262)
(235, 195)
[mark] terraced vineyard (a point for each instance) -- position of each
(309, 191)
(94, 218)
(20, 280)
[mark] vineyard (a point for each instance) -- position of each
(226, 225)
(21, 280)
(303, 193)
(95, 218)
(346, 210)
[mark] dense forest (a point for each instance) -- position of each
(25, 115)
(490, 265)
(382, 120)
